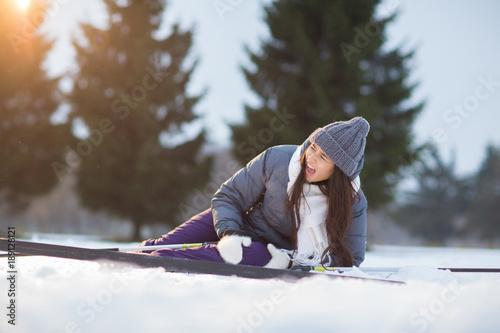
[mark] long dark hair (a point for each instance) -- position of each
(340, 197)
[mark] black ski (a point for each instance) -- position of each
(169, 264)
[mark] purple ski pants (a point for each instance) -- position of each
(199, 229)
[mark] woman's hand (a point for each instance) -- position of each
(231, 248)
(279, 259)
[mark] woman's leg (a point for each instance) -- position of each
(200, 229)
(254, 255)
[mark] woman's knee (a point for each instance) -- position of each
(256, 254)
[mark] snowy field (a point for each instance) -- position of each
(59, 295)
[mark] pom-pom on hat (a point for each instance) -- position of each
(343, 142)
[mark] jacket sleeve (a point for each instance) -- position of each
(356, 232)
(237, 195)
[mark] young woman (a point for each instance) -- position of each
(291, 205)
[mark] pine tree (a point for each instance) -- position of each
(324, 62)
(29, 140)
(131, 94)
(434, 208)
(482, 212)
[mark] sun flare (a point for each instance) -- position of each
(23, 4)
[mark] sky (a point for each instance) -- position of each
(456, 63)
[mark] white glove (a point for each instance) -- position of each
(231, 248)
(279, 259)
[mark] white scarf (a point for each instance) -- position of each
(312, 239)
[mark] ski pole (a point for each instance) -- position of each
(396, 269)
(363, 269)
(137, 248)
(158, 247)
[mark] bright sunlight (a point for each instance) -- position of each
(23, 4)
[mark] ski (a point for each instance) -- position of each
(135, 248)
(169, 264)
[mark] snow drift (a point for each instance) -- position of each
(60, 295)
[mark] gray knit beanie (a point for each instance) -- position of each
(343, 142)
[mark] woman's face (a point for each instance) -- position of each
(319, 166)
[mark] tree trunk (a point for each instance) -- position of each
(136, 235)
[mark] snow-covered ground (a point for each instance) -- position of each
(59, 295)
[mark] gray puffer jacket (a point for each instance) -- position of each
(252, 203)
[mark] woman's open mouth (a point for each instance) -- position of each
(309, 169)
